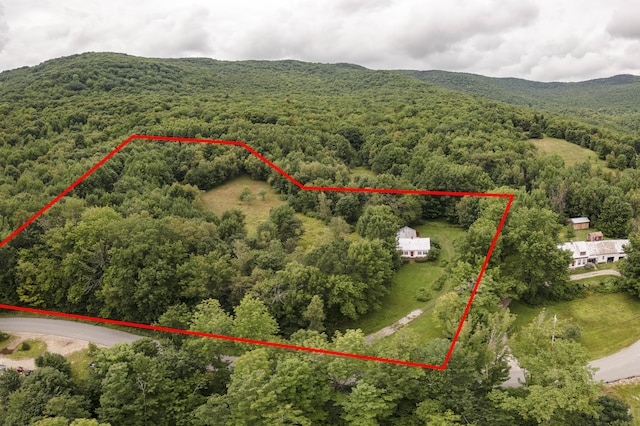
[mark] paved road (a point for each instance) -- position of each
(621, 365)
(594, 274)
(75, 330)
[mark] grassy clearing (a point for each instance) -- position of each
(570, 153)
(36, 348)
(362, 171)
(401, 298)
(609, 322)
(629, 394)
(225, 197)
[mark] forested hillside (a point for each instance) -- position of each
(136, 242)
(610, 100)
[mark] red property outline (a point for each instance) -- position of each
(301, 186)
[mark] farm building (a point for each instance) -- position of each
(595, 236)
(410, 245)
(584, 252)
(579, 223)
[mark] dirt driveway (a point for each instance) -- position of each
(55, 344)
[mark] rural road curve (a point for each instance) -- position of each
(74, 330)
(621, 365)
(594, 274)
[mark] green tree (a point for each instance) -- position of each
(288, 226)
(615, 217)
(315, 314)
(366, 405)
(630, 267)
(378, 222)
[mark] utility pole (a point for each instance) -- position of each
(553, 333)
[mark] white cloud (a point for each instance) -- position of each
(545, 39)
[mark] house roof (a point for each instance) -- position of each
(576, 220)
(594, 248)
(415, 244)
(406, 232)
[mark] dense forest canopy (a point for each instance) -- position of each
(135, 241)
(610, 100)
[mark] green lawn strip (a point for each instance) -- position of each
(629, 393)
(401, 299)
(610, 322)
(570, 152)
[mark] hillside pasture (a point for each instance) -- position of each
(569, 152)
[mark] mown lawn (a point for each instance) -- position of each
(629, 394)
(401, 298)
(609, 322)
(570, 152)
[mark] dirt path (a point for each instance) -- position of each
(594, 274)
(390, 329)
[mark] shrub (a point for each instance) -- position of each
(435, 250)
(24, 346)
(423, 294)
(589, 266)
(4, 336)
(571, 331)
(439, 283)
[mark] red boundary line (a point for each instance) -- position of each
(301, 186)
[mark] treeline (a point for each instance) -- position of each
(184, 381)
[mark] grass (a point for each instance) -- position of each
(610, 322)
(411, 276)
(37, 348)
(570, 153)
(80, 365)
(630, 394)
(225, 197)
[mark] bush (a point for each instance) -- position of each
(439, 283)
(571, 331)
(24, 346)
(423, 294)
(608, 286)
(589, 266)
(434, 252)
(4, 336)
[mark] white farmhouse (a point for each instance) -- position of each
(605, 251)
(410, 245)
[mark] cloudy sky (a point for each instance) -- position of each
(545, 40)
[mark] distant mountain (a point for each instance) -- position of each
(612, 100)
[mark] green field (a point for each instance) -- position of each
(609, 322)
(411, 276)
(225, 197)
(570, 153)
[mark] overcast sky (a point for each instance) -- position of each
(545, 40)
